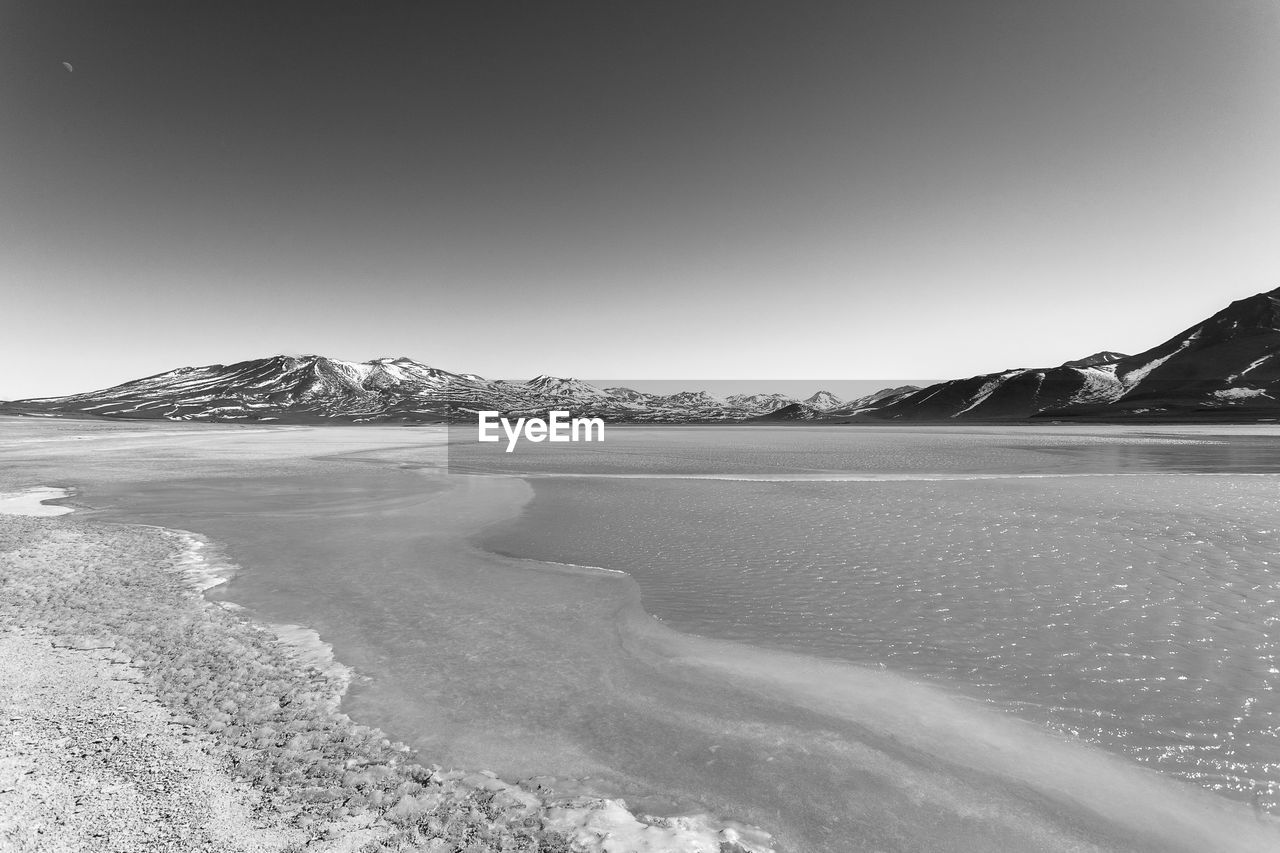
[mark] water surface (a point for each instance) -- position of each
(1117, 585)
(531, 667)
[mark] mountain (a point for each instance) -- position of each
(315, 389)
(554, 388)
(759, 402)
(873, 401)
(295, 389)
(1096, 360)
(824, 401)
(630, 396)
(792, 412)
(1226, 367)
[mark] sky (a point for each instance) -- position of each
(738, 190)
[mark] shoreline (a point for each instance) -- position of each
(649, 646)
(334, 785)
(31, 502)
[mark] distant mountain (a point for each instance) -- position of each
(315, 389)
(793, 412)
(630, 396)
(873, 401)
(823, 401)
(295, 389)
(759, 402)
(1226, 367)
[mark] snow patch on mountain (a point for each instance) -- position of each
(988, 388)
(1101, 385)
(1254, 366)
(1133, 377)
(1233, 394)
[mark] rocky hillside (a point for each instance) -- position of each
(1226, 367)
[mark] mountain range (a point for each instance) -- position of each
(1224, 368)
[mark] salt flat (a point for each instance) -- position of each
(32, 502)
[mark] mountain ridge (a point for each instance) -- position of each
(1199, 373)
(1224, 367)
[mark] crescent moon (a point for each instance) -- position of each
(67, 65)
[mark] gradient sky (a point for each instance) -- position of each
(643, 189)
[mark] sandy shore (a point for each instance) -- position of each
(92, 761)
(137, 716)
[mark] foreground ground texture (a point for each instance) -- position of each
(91, 759)
(136, 716)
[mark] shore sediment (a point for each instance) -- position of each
(139, 716)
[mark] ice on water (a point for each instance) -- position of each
(1109, 595)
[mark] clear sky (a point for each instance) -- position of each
(659, 189)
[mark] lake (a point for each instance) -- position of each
(1053, 638)
(1119, 586)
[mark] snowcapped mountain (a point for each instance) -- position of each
(554, 387)
(823, 401)
(296, 389)
(693, 399)
(630, 396)
(1226, 367)
(315, 389)
(873, 401)
(759, 402)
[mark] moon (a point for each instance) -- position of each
(67, 65)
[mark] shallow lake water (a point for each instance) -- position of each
(1105, 583)
(1124, 591)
